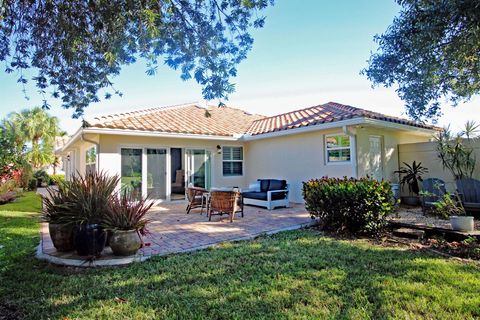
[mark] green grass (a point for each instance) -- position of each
(26, 202)
(298, 274)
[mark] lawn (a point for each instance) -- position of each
(297, 274)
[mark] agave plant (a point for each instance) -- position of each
(411, 175)
(127, 212)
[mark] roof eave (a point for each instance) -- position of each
(142, 133)
(341, 123)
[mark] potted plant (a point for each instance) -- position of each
(411, 175)
(127, 220)
(89, 199)
(450, 205)
(58, 214)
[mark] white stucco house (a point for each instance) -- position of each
(160, 150)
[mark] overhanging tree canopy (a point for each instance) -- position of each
(77, 47)
(431, 51)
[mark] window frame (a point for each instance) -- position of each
(242, 161)
(327, 149)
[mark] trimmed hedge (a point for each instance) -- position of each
(357, 206)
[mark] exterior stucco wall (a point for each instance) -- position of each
(295, 158)
(426, 154)
(110, 160)
(390, 141)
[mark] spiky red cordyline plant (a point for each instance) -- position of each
(127, 212)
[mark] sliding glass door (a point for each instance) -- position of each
(131, 172)
(198, 168)
(157, 173)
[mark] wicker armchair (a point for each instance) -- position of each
(195, 198)
(224, 202)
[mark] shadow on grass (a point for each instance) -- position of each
(293, 274)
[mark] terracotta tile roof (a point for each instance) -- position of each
(329, 112)
(188, 119)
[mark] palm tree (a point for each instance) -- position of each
(37, 127)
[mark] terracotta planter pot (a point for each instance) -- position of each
(125, 243)
(462, 223)
(89, 240)
(62, 236)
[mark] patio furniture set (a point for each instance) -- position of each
(468, 190)
(269, 193)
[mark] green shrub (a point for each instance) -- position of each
(8, 186)
(32, 184)
(42, 177)
(349, 205)
(57, 178)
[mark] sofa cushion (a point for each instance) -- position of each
(264, 184)
(263, 195)
(254, 187)
(277, 185)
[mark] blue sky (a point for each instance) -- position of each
(309, 52)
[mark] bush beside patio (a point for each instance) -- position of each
(358, 206)
(289, 275)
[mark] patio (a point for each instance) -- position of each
(174, 231)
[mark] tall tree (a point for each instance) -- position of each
(431, 51)
(79, 46)
(38, 128)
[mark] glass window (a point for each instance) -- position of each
(91, 160)
(338, 148)
(232, 161)
(131, 174)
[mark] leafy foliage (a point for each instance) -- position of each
(411, 175)
(57, 178)
(42, 177)
(11, 153)
(456, 152)
(78, 47)
(431, 51)
(357, 206)
(448, 205)
(36, 127)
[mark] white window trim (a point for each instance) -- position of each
(337, 148)
(242, 161)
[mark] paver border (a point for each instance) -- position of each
(140, 258)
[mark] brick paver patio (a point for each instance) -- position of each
(174, 231)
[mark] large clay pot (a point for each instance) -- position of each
(125, 243)
(89, 239)
(62, 236)
(462, 223)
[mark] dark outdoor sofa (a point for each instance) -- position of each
(269, 193)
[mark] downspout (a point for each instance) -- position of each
(97, 146)
(353, 145)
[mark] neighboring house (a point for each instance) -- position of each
(158, 151)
